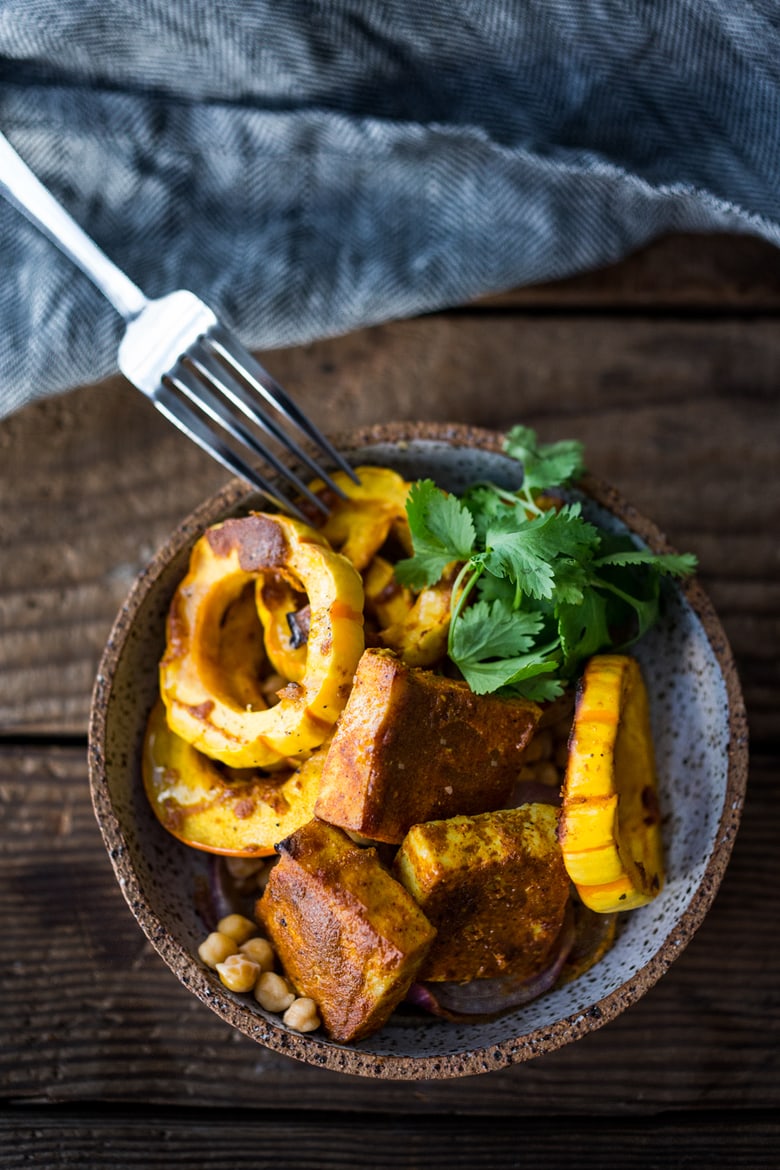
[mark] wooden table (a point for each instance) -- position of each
(668, 368)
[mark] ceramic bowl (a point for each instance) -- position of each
(700, 738)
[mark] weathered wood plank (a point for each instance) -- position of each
(173, 1138)
(88, 1012)
(686, 272)
(680, 414)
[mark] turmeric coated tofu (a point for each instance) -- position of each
(413, 746)
(346, 931)
(496, 886)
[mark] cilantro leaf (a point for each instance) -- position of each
(540, 689)
(442, 532)
(630, 576)
(493, 588)
(551, 588)
(545, 465)
(571, 581)
(519, 553)
(485, 505)
(526, 551)
(493, 647)
(582, 628)
(487, 677)
(632, 608)
(493, 630)
(673, 564)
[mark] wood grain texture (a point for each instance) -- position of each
(717, 274)
(163, 1140)
(89, 1012)
(682, 416)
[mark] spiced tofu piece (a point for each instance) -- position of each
(413, 746)
(346, 931)
(496, 887)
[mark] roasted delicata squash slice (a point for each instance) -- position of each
(387, 601)
(241, 651)
(414, 625)
(610, 830)
(200, 703)
(420, 637)
(218, 809)
(359, 524)
(285, 616)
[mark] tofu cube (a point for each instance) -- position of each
(347, 933)
(494, 885)
(413, 746)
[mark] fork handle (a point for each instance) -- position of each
(21, 187)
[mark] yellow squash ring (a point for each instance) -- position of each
(239, 813)
(200, 706)
(360, 522)
(610, 828)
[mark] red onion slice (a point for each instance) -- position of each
(594, 934)
(484, 998)
(221, 895)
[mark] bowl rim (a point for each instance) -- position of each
(316, 1050)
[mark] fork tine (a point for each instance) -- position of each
(217, 374)
(212, 361)
(199, 388)
(194, 426)
(264, 383)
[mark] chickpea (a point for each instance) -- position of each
(216, 948)
(260, 951)
(302, 1015)
(273, 992)
(238, 973)
(237, 927)
(242, 868)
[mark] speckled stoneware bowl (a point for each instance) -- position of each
(701, 745)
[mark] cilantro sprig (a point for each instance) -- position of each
(539, 588)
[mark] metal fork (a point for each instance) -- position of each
(178, 354)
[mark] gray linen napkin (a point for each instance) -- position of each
(311, 167)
